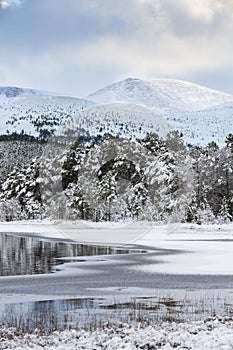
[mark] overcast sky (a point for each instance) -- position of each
(77, 46)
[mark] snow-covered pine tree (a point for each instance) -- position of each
(224, 215)
(23, 185)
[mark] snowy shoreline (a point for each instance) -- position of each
(208, 250)
(213, 333)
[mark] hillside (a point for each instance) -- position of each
(203, 126)
(161, 95)
(13, 91)
(202, 115)
(119, 119)
(130, 107)
(34, 112)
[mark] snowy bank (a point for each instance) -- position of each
(210, 334)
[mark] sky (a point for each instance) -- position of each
(74, 47)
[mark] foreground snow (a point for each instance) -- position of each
(211, 334)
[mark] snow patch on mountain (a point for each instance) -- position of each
(204, 126)
(201, 114)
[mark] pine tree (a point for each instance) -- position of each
(22, 185)
(224, 215)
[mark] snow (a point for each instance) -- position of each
(161, 94)
(203, 126)
(43, 228)
(206, 249)
(103, 233)
(25, 108)
(201, 114)
(13, 91)
(109, 119)
(209, 334)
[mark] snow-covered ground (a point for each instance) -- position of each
(210, 334)
(207, 249)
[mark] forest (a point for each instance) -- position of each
(109, 178)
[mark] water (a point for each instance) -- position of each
(89, 293)
(93, 312)
(29, 256)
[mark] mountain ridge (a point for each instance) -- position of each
(201, 114)
(160, 94)
(14, 91)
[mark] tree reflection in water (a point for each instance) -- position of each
(28, 256)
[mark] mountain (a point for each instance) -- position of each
(13, 91)
(203, 126)
(119, 119)
(161, 95)
(128, 107)
(34, 112)
(201, 114)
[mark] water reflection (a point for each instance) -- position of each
(28, 256)
(50, 315)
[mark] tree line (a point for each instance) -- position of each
(113, 178)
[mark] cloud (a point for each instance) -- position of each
(8, 3)
(4, 4)
(76, 46)
(40, 25)
(219, 78)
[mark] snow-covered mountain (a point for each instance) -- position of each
(129, 107)
(203, 126)
(161, 95)
(117, 119)
(35, 112)
(201, 114)
(13, 91)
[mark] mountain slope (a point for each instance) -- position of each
(119, 119)
(129, 107)
(161, 95)
(201, 114)
(34, 112)
(13, 91)
(203, 126)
